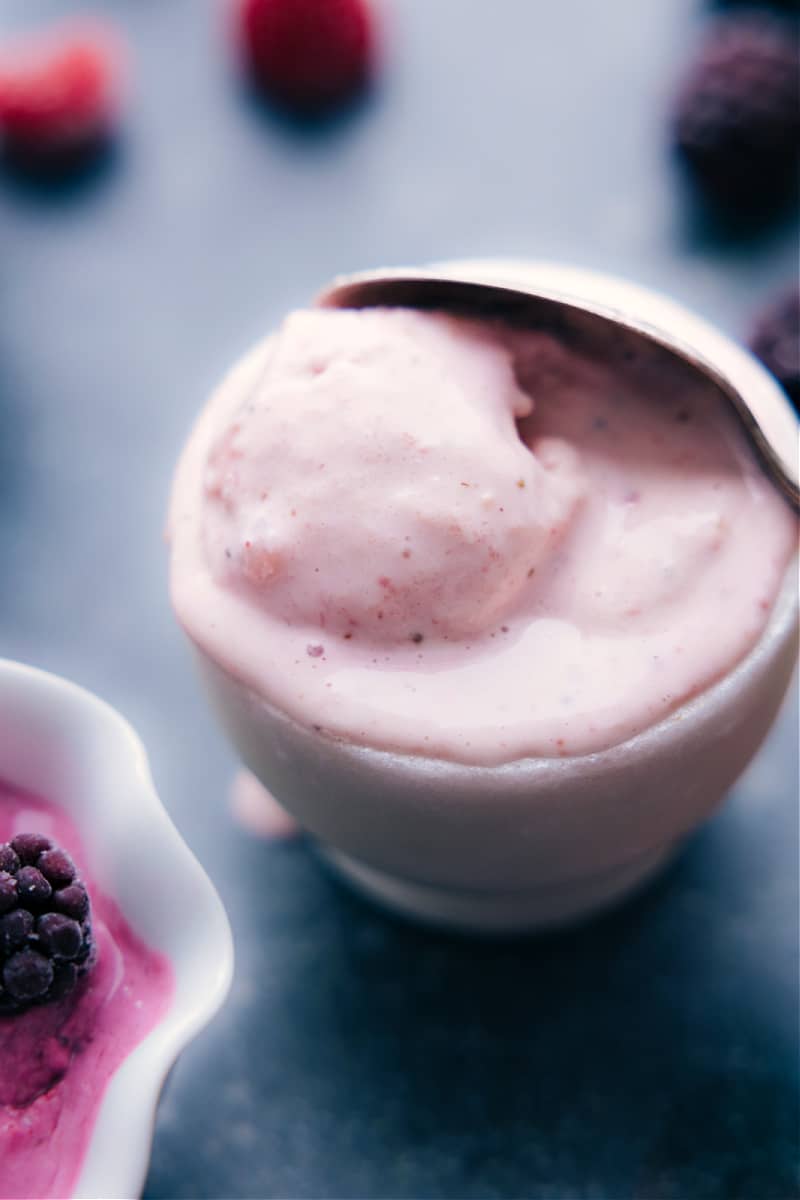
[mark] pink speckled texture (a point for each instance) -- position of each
(450, 538)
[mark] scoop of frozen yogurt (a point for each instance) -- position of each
(373, 481)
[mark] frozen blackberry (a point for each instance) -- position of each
(776, 341)
(8, 891)
(27, 977)
(57, 868)
(28, 847)
(33, 890)
(9, 859)
(72, 900)
(15, 929)
(737, 115)
(45, 923)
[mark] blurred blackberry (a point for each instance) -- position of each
(45, 926)
(736, 122)
(786, 5)
(776, 341)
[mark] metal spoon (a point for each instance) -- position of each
(600, 314)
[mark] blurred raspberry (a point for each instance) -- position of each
(737, 115)
(308, 55)
(58, 98)
(776, 341)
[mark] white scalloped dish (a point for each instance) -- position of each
(61, 744)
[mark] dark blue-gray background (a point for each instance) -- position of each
(653, 1055)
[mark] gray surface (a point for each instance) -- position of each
(651, 1056)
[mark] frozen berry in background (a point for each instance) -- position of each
(776, 341)
(45, 929)
(779, 5)
(59, 98)
(736, 123)
(309, 56)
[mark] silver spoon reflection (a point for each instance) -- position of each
(486, 290)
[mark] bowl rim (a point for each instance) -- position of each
(780, 631)
(118, 1152)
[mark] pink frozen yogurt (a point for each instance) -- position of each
(57, 1059)
(451, 538)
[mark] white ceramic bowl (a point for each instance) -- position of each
(64, 744)
(536, 842)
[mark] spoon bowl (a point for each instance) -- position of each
(607, 316)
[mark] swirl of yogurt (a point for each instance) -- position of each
(373, 481)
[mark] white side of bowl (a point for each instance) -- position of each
(533, 823)
(64, 744)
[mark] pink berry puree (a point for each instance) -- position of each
(56, 1060)
(456, 539)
